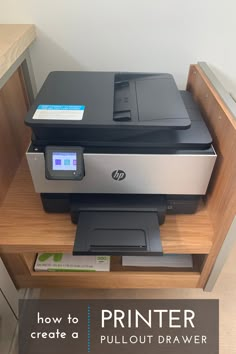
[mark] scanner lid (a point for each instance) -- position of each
(108, 100)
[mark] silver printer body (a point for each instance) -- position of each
(180, 174)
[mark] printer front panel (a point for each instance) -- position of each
(130, 174)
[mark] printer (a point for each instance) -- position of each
(118, 151)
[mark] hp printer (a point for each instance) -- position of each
(118, 151)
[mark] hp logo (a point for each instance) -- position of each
(118, 175)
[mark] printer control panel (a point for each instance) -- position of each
(64, 163)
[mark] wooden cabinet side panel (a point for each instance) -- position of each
(221, 195)
(16, 267)
(14, 135)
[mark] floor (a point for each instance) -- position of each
(224, 290)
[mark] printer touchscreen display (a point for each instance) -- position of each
(64, 161)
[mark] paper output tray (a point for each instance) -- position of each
(117, 233)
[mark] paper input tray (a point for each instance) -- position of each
(117, 233)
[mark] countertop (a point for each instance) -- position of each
(14, 40)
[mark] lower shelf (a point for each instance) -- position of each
(118, 277)
(111, 280)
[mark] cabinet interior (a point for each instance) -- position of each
(26, 229)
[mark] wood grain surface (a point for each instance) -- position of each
(221, 195)
(109, 280)
(14, 135)
(21, 266)
(14, 40)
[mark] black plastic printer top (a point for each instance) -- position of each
(116, 109)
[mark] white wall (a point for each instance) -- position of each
(130, 35)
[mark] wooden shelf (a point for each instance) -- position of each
(118, 277)
(115, 266)
(111, 280)
(25, 227)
